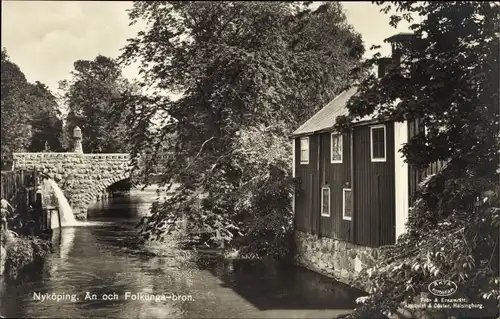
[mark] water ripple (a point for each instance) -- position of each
(105, 256)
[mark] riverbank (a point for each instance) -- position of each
(19, 254)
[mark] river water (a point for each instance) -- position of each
(109, 274)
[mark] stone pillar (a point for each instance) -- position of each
(77, 136)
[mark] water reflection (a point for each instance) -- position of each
(63, 240)
(107, 259)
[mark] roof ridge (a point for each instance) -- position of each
(324, 106)
(325, 118)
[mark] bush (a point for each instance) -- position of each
(268, 228)
(23, 252)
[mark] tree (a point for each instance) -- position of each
(29, 113)
(448, 79)
(92, 96)
(248, 74)
(16, 130)
(46, 123)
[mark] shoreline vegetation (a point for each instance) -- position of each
(18, 254)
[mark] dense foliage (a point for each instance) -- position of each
(449, 79)
(91, 96)
(248, 73)
(30, 116)
(46, 123)
(22, 253)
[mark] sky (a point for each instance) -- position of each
(45, 38)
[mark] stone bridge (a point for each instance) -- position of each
(82, 177)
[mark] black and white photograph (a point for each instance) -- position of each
(250, 159)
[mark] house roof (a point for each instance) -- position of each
(403, 36)
(325, 118)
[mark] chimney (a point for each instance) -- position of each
(400, 43)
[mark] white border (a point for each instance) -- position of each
(341, 148)
(371, 144)
(329, 202)
(308, 150)
(344, 217)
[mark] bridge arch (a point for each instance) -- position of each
(84, 175)
(80, 176)
(100, 187)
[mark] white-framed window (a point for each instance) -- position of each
(304, 150)
(325, 201)
(347, 204)
(336, 148)
(378, 143)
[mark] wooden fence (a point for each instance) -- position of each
(418, 175)
(14, 181)
(19, 188)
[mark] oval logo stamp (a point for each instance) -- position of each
(442, 288)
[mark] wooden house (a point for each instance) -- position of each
(354, 187)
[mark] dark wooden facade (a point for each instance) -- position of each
(305, 199)
(374, 223)
(371, 183)
(320, 172)
(382, 190)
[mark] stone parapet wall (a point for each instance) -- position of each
(20, 157)
(332, 257)
(82, 177)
